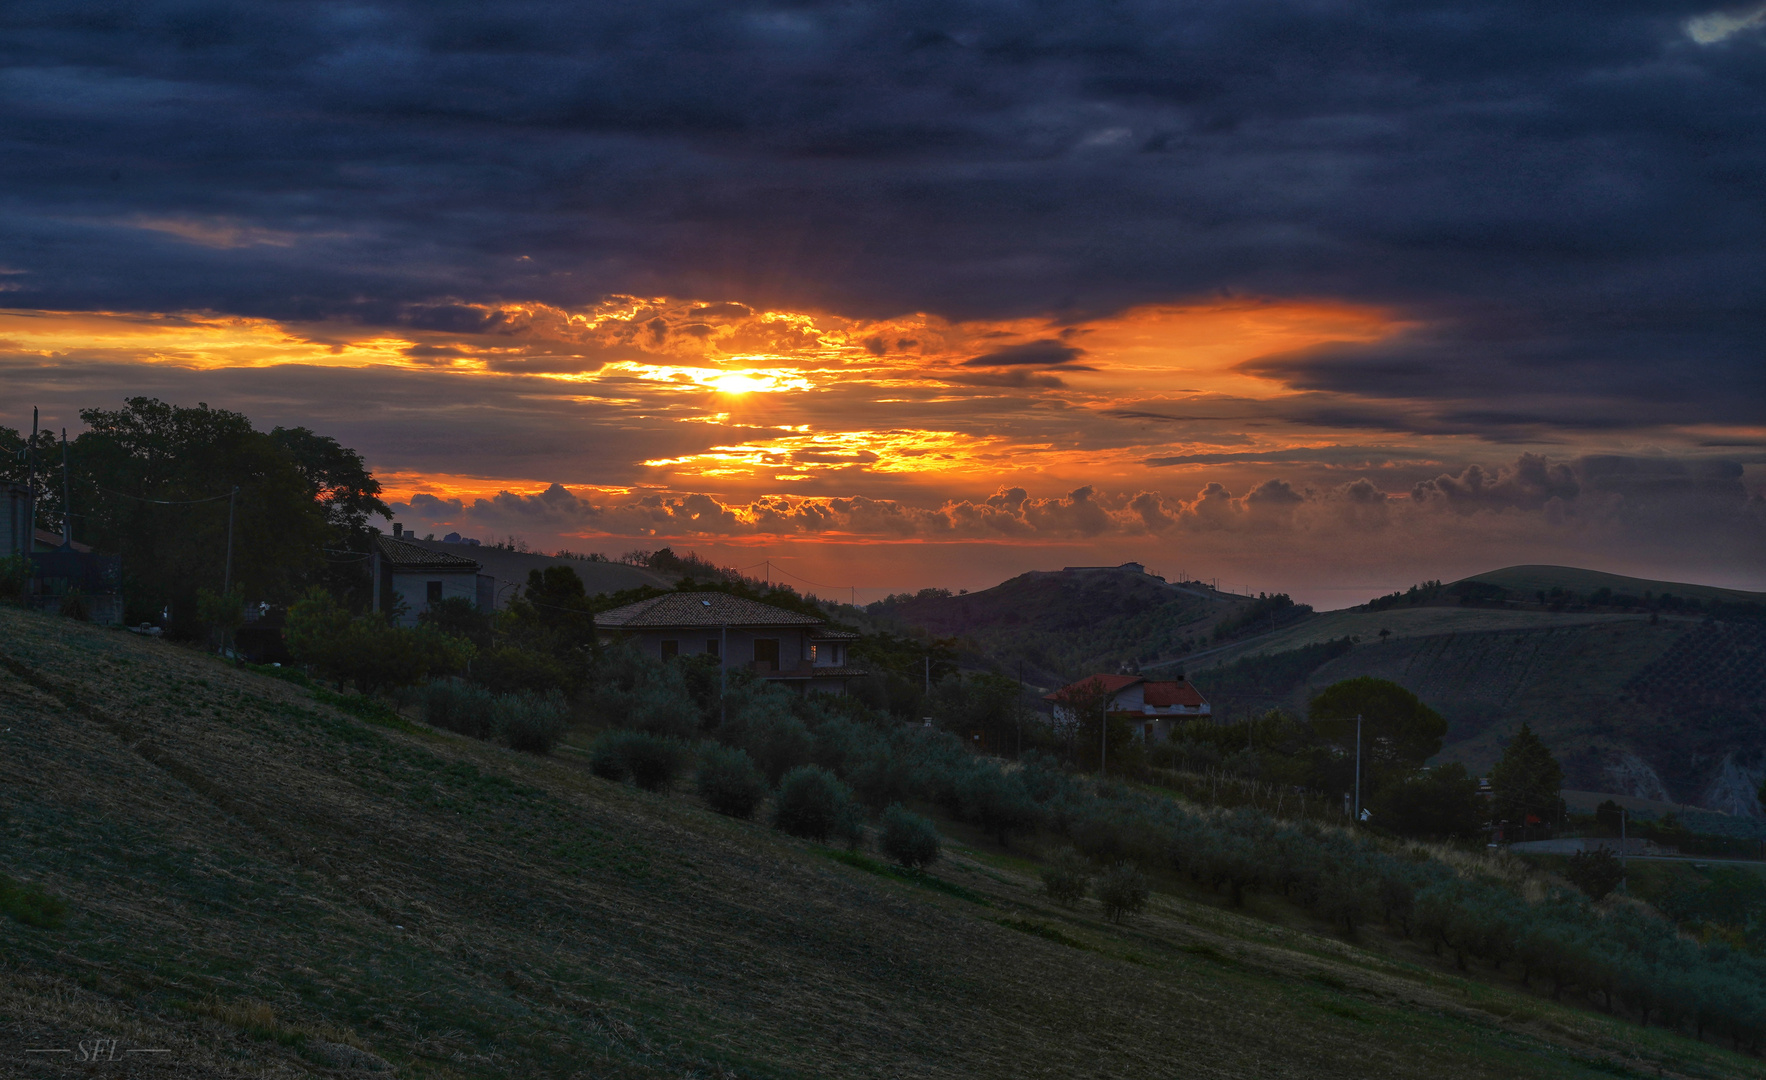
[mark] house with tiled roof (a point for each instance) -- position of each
(1154, 706)
(416, 578)
(779, 645)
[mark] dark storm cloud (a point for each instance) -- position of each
(1604, 371)
(1029, 354)
(416, 420)
(1563, 196)
(1350, 457)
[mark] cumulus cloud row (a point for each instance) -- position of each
(1603, 490)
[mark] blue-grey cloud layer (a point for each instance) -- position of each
(1568, 197)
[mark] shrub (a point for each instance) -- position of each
(75, 606)
(459, 617)
(651, 761)
(655, 761)
(511, 670)
(1067, 877)
(1122, 890)
(908, 838)
(778, 742)
(457, 706)
(730, 782)
(664, 708)
(883, 777)
(1438, 802)
(1596, 872)
(815, 805)
(996, 802)
(607, 757)
(15, 576)
(367, 649)
(532, 722)
(221, 614)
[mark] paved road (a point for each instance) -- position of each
(1571, 845)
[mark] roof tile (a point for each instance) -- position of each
(400, 553)
(700, 609)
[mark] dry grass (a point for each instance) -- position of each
(251, 875)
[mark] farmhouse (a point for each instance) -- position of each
(778, 645)
(1155, 705)
(405, 574)
(61, 570)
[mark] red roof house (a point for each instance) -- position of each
(1157, 704)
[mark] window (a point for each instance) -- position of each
(766, 653)
(671, 649)
(711, 646)
(434, 592)
(812, 653)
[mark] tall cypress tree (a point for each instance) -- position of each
(1526, 780)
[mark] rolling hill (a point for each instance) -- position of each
(1529, 580)
(261, 881)
(1651, 701)
(1061, 624)
(1668, 707)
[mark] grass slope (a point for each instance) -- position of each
(267, 887)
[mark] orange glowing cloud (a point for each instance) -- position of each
(916, 398)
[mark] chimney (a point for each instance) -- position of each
(397, 529)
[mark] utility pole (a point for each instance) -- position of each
(1018, 710)
(67, 506)
(227, 576)
(723, 665)
(1624, 867)
(1357, 768)
(1104, 737)
(30, 537)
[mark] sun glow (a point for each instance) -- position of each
(753, 382)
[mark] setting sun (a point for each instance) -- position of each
(744, 382)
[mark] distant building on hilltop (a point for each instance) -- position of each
(778, 645)
(1126, 568)
(1157, 705)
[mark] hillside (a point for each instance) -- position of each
(263, 885)
(1650, 701)
(1064, 623)
(1530, 580)
(1672, 709)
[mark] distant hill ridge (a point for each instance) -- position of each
(1060, 624)
(1531, 579)
(1649, 700)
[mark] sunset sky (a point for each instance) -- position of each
(1325, 298)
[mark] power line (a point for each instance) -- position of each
(806, 581)
(165, 502)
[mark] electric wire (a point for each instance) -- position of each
(165, 502)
